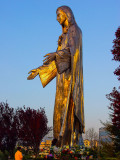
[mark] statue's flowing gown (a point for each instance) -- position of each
(69, 101)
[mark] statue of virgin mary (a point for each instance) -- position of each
(66, 64)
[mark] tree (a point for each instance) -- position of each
(8, 128)
(92, 136)
(114, 125)
(32, 127)
(24, 125)
(116, 51)
(114, 96)
(106, 150)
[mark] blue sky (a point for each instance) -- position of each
(29, 30)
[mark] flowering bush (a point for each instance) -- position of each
(69, 153)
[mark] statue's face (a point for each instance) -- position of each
(61, 16)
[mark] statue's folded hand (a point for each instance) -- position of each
(33, 73)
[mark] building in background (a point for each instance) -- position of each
(46, 143)
(89, 144)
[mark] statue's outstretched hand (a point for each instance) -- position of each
(49, 57)
(33, 73)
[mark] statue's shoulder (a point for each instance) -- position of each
(75, 30)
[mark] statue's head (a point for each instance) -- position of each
(65, 13)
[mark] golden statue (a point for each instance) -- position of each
(67, 66)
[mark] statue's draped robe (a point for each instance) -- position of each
(69, 101)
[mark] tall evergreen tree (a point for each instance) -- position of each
(114, 97)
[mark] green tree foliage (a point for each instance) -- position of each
(114, 126)
(107, 150)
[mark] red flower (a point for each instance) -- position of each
(41, 150)
(63, 151)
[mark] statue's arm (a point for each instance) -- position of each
(63, 60)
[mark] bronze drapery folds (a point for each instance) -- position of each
(66, 65)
